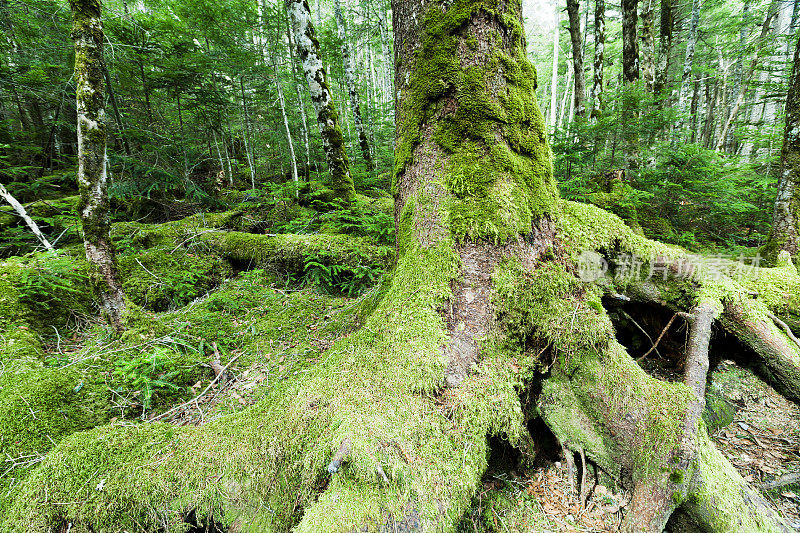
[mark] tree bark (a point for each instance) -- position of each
(664, 47)
(599, 51)
(630, 47)
(87, 34)
(554, 83)
(305, 39)
(688, 62)
(20, 210)
(577, 57)
(352, 90)
(648, 46)
(785, 232)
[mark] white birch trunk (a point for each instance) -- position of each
(686, 78)
(20, 210)
(352, 90)
(554, 82)
(287, 130)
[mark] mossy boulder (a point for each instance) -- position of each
(159, 279)
(40, 406)
(43, 290)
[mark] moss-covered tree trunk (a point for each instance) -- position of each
(785, 233)
(87, 34)
(307, 45)
(350, 81)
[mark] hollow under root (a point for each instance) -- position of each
(653, 430)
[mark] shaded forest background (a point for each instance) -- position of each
(205, 97)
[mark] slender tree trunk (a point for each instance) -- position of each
(739, 68)
(599, 51)
(248, 141)
(630, 48)
(765, 28)
(785, 233)
(87, 34)
(350, 80)
(688, 62)
(385, 50)
(648, 46)
(146, 91)
(117, 115)
(300, 105)
(664, 47)
(564, 110)
(630, 76)
(554, 83)
(693, 108)
(577, 57)
(327, 117)
(292, 156)
(20, 210)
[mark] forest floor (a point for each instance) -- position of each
(270, 323)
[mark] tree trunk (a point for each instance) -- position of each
(785, 232)
(765, 28)
(87, 34)
(117, 115)
(688, 62)
(287, 131)
(577, 57)
(340, 180)
(648, 46)
(739, 68)
(385, 49)
(554, 83)
(630, 47)
(630, 76)
(599, 50)
(486, 306)
(664, 47)
(350, 80)
(248, 141)
(563, 112)
(20, 210)
(300, 105)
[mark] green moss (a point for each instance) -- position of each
(261, 468)
(39, 406)
(42, 290)
(499, 187)
(676, 476)
(159, 279)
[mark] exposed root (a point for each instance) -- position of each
(658, 340)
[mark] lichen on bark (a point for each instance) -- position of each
(87, 35)
(305, 39)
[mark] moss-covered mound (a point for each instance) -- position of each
(159, 279)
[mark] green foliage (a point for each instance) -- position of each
(161, 279)
(322, 270)
(50, 283)
(148, 375)
(677, 191)
(361, 220)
